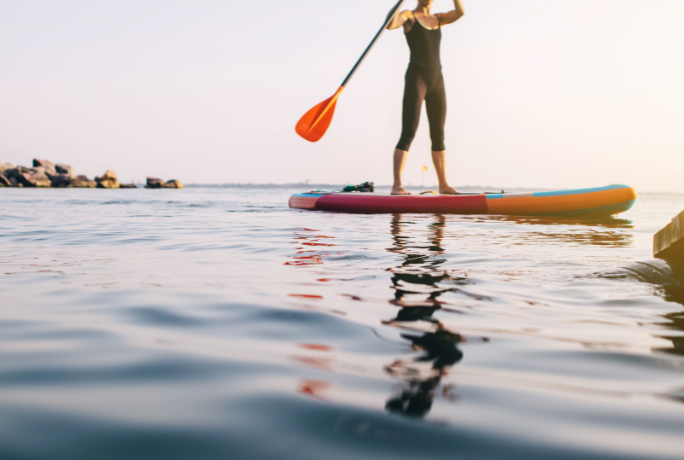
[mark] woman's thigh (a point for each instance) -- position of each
(414, 95)
(436, 106)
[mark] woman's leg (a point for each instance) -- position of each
(439, 160)
(414, 94)
(399, 163)
(435, 103)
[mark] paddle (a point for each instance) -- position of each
(315, 123)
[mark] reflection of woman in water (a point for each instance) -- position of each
(439, 346)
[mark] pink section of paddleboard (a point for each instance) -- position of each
(368, 203)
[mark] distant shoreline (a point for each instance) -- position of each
(330, 187)
(303, 187)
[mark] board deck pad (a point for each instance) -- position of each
(599, 201)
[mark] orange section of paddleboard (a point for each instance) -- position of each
(530, 204)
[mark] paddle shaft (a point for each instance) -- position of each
(370, 47)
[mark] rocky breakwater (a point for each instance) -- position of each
(43, 174)
(47, 174)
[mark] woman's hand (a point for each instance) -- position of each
(454, 15)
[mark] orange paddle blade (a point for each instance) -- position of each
(315, 123)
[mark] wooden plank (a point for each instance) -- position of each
(669, 242)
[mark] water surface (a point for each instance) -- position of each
(216, 323)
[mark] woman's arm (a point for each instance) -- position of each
(399, 19)
(452, 16)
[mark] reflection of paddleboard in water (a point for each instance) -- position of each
(601, 201)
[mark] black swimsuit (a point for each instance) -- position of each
(424, 82)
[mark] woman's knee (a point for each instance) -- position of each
(405, 143)
(438, 142)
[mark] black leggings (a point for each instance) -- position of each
(415, 92)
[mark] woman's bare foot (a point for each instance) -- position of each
(448, 190)
(400, 190)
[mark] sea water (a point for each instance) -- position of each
(217, 323)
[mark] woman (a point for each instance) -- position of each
(424, 82)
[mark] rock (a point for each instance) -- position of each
(4, 166)
(35, 179)
(38, 179)
(154, 182)
(128, 186)
(15, 172)
(107, 180)
(82, 182)
(108, 175)
(28, 177)
(42, 170)
(4, 182)
(61, 180)
(108, 183)
(173, 184)
(44, 166)
(65, 169)
(13, 182)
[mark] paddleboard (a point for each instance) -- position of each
(600, 201)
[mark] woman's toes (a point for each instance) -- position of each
(448, 191)
(401, 191)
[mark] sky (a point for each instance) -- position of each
(541, 93)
